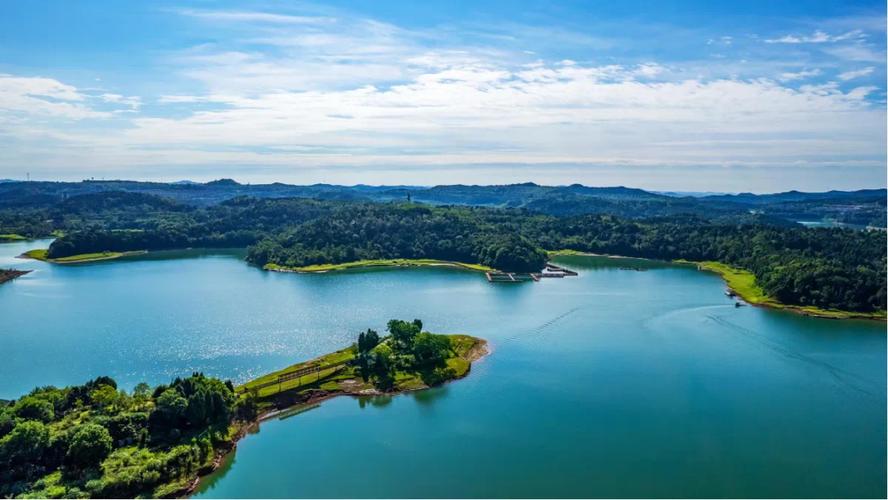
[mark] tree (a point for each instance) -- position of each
(7, 421)
(170, 407)
(431, 351)
(32, 408)
(89, 445)
(142, 392)
(25, 444)
(367, 341)
(382, 367)
(106, 397)
(403, 334)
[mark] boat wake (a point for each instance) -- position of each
(843, 377)
(541, 329)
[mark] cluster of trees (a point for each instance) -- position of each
(406, 349)
(829, 268)
(95, 440)
(236, 223)
(352, 232)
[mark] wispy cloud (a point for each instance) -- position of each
(818, 37)
(851, 75)
(799, 75)
(255, 17)
(41, 97)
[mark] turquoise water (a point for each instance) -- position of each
(615, 383)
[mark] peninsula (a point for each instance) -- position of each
(41, 254)
(742, 283)
(95, 440)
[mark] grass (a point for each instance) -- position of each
(334, 358)
(37, 253)
(12, 237)
(554, 253)
(742, 282)
(40, 254)
(359, 264)
(330, 379)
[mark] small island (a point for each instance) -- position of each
(96, 440)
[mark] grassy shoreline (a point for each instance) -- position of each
(334, 378)
(12, 237)
(742, 283)
(40, 254)
(364, 264)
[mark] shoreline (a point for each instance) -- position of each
(478, 351)
(40, 254)
(11, 274)
(376, 263)
(742, 283)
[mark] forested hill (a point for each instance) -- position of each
(859, 208)
(827, 268)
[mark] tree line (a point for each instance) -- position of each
(830, 268)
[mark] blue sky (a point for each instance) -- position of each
(719, 96)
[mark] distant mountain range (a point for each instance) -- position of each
(861, 208)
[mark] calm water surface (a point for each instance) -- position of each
(615, 383)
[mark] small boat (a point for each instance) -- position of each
(739, 304)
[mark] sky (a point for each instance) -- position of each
(684, 96)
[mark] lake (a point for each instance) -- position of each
(615, 383)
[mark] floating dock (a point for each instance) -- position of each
(561, 271)
(497, 277)
(550, 271)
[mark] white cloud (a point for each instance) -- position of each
(36, 96)
(300, 92)
(859, 53)
(134, 102)
(800, 75)
(818, 37)
(487, 114)
(851, 75)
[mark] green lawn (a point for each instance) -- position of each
(555, 253)
(322, 268)
(333, 358)
(37, 253)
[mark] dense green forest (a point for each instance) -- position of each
(828, 268)
(96, 440)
